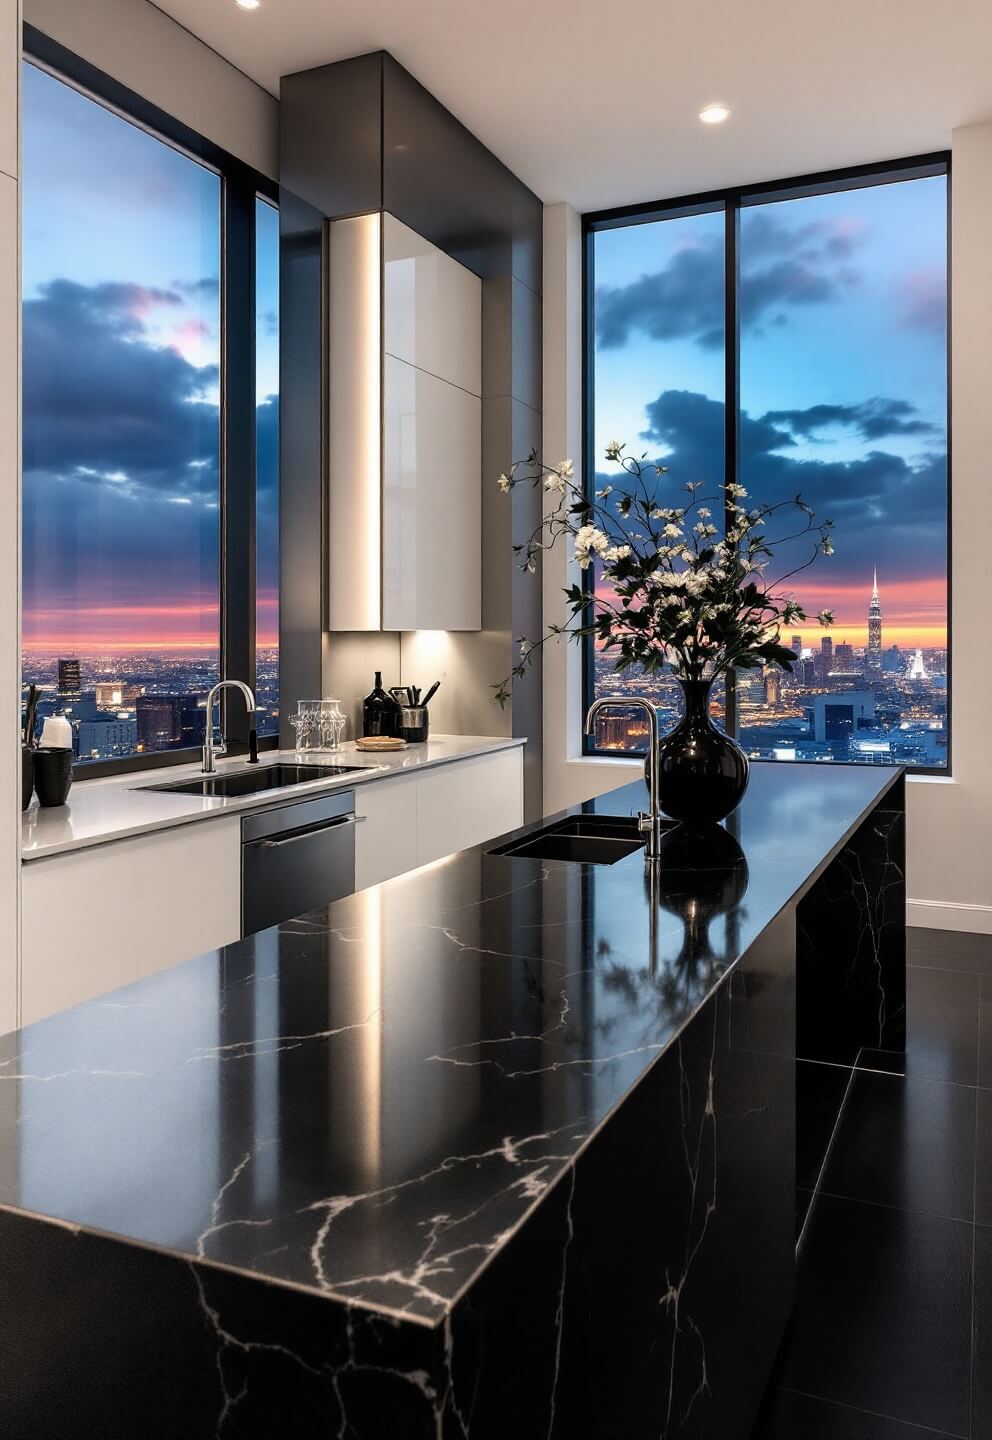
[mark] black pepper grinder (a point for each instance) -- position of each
(380, 712)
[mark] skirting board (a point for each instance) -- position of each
(950, 915)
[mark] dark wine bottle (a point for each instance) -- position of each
(380, 712)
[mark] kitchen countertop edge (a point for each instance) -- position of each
(172, 811)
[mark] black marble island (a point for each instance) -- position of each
(503, 1147)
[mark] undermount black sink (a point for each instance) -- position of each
(585, 839)
(234, 783)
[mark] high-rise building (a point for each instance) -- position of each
(825, 659)
(797, 644)
(115, 694)
(916, 669)
(773, 686)
(844, 657)
(159, 721)
(873, 655)
(70, 682)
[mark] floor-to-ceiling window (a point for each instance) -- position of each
(833, 293)
(267, 466)
(125, 488)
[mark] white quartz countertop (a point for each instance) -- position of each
(99, 811)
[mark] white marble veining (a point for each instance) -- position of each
(112, 809)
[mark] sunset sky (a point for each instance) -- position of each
(121, 349)
(842, 377)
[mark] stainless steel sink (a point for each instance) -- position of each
(253, 781)
(585, 839)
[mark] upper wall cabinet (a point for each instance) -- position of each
(405, 431)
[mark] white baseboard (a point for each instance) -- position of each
(950, 915)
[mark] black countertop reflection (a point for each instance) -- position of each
(367, 1101)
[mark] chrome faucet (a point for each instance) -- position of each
(649, 824)
(210, 750)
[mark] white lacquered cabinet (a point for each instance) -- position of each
(101, 917)
(404, 441)
(386, 840)
(468, 803)
(413, 819)
(431, 513)
(432, 315)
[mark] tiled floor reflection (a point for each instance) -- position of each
(892, 1333)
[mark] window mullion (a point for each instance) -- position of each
(238, 444)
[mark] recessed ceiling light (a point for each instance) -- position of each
(248, 4)
(710, 115)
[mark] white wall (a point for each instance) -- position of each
(568, 777)
(143, 48)
(10, 518)
(949, 857)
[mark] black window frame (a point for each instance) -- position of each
(730, 201)
(241, 186)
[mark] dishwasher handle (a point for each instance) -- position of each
(308, 834)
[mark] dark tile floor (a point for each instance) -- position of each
(891, 1338)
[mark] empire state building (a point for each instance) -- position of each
(873, 656)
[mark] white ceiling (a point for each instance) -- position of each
(597, 103)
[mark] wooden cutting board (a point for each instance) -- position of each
(380, 743)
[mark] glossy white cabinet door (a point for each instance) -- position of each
(433, 308)
(386, 840)
(99, 918)
(432, 502)
(468, 803)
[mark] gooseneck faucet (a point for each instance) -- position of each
(210, 750)
(649, 824)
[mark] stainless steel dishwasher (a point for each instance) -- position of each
(296, 857)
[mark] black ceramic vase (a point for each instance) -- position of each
(703, 772)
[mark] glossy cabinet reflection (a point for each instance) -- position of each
(404, 413)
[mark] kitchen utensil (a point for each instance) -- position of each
(29, 715)
(401, 694)
(415, 695)
(414, 724)
(431, 693)
(379, 743)
(52, 775)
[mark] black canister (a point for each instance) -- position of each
(27, 776)
(414, 724)
(52, 775)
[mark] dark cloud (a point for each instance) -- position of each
(887, 510)
(781, 265)
(121, 481)
(100, 400)
(684, 299)
(874, 419)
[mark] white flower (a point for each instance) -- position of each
(505, 483)
(616, 552)
(613, 450)
(672, 530)
(566, 470)
(703, 512)
(555, 482)
(703, 529)
(606, 490)
(526, 646)
(828, 546)
(733, 489)
(826, 617)
(589, 540)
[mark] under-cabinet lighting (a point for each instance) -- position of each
(714, 114)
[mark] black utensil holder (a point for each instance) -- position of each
(52, 775)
